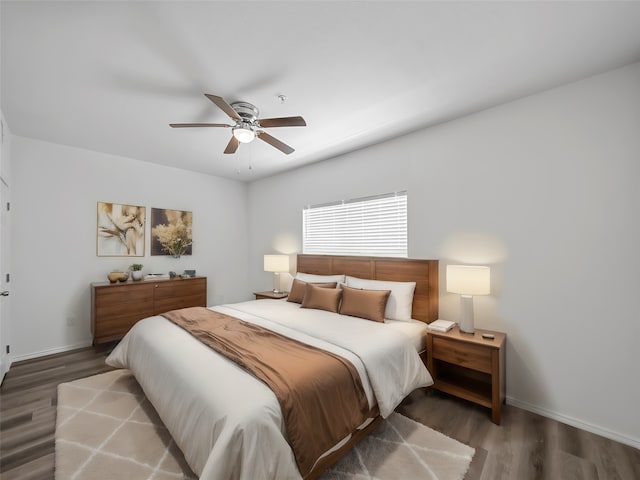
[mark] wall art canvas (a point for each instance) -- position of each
(121, 230)
(171, 232)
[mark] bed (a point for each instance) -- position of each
(229, 424)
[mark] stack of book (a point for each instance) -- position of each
(155, 276)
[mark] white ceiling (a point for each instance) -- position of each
(111, 76)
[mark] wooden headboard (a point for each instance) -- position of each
(423, 272)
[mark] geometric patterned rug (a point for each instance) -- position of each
(106, 429)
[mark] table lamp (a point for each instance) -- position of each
(276, 264)
(468, 280)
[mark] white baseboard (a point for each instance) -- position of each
(5, 364)
(574, 422)
(51, 351)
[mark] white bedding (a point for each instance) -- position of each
(229, 424)
(414, 329)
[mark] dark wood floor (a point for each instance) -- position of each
(526, 446)
(28, 399)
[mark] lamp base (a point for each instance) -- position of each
(276, 282)
(466, 314)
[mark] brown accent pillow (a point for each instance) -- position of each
(296, 294)
(369, 304)
(321, 298)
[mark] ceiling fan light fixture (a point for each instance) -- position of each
(247, 124)
(244, 134)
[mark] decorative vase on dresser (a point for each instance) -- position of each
(136, 272)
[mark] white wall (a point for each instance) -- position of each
(55, 194)
(545, 191)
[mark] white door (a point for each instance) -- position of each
(5, 358)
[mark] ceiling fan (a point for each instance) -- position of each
(247, 124)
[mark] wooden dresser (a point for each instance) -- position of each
(115, 307)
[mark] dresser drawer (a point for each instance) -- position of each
(116, 327)
(180, 288)
(166, 304)
(467, 355)
(126, 293)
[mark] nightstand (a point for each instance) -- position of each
(469, 366)
(271, 295)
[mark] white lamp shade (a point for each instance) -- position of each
(468, 279)
(276, 263)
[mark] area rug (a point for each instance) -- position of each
(106, 429)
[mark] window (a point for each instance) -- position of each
(375, 226)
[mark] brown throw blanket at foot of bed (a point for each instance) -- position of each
(320, 393)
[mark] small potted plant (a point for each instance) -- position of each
(136, 271)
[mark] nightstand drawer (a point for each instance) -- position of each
(466, 355)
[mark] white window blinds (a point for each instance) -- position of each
(372, 226)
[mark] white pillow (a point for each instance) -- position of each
(400, 301)
(312, 278)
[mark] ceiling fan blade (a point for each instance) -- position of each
(232, 146)
(274, 142)
(188, 125)
(282, 122)
(223, 105)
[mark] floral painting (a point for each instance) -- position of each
(171, 232)
(120, 230)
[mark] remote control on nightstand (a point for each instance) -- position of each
(488, 336)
